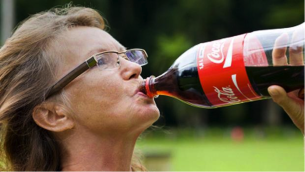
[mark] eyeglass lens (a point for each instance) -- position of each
(137, 56)
(108, 61)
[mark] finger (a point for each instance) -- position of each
(279, 96)
(279, 57)
(293, 107)
(296, 56)
(301, 93)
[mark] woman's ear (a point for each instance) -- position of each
(52, 117)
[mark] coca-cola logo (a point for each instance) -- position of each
(216, 56)
(226, 95)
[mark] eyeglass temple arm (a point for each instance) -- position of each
(71, 76)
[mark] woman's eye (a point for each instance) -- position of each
(101, 62)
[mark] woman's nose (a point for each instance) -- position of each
(129, 70)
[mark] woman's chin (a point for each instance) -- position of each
(148, 115)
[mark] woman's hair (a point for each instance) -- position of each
(28, 61)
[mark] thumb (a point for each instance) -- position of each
(279, 96)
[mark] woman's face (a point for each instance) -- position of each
(104, 102)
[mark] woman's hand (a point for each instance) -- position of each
(290, 102)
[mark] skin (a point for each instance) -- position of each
(107, 112)
(290, 102)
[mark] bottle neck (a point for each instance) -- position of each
(148, 87)
(165, 84)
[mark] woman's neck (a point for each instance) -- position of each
(90, 153)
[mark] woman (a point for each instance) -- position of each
(69, 96)
(91, 124)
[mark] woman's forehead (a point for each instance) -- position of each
(77, 44)
(87, 41)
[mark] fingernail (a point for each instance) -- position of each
(273, 92)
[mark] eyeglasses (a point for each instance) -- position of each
(104, 61)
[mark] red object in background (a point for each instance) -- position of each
(237, 134)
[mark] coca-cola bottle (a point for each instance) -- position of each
(233, 70)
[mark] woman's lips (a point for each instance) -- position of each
(142, 94)
(141, 91)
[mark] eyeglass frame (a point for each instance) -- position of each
(87, 64)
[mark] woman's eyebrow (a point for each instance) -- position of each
(98, 50)
(95, 51)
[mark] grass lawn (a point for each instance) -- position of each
(217, 151)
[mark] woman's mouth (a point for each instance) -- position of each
(141, 90)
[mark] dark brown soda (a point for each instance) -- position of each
(182, 82)
(289, 77)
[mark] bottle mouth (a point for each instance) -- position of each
(142, 87)
(147, 87)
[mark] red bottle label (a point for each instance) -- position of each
(222, 72)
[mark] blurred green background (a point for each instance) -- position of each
(255, 136)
